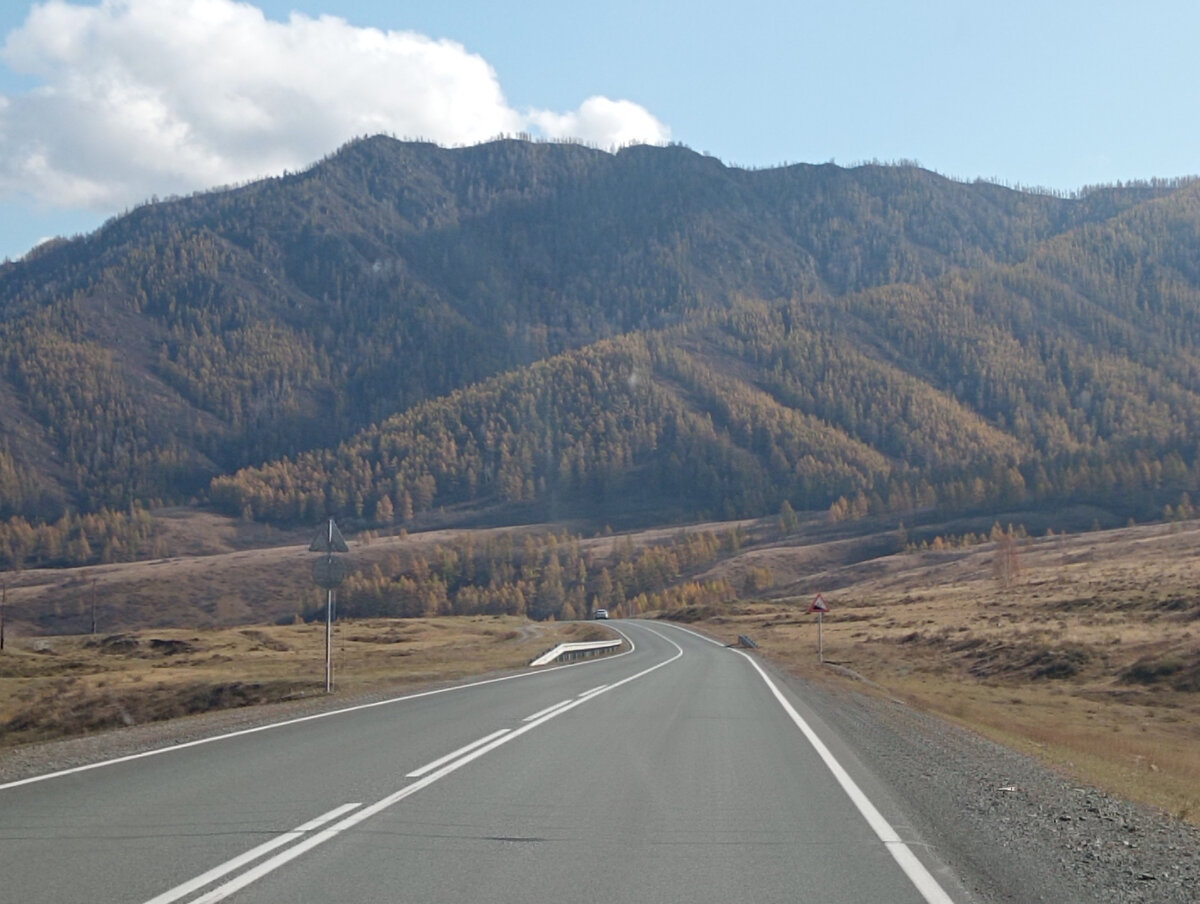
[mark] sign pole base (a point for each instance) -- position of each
(328, 641)
(820, 638)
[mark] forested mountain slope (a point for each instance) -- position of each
(713, 340)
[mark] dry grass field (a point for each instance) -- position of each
(1088, 656)
(52, 687)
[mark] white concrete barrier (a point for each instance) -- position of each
(571, 650)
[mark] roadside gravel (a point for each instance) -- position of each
(1012, 829)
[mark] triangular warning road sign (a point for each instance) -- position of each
(819, 604)
(329, 539)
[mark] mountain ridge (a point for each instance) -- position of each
(199, 336)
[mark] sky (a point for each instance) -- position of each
(105, 105)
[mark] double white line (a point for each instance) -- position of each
(182, 891)
(307, 836)
(440, 761)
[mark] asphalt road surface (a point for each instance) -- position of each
(681, 771)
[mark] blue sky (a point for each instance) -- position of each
(103, 105)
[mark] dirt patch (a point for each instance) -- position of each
(265, 641)
(169, 646)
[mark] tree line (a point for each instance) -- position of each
(541, 576)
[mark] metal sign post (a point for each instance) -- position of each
(820, 607)
(329, 572)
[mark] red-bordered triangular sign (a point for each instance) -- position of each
(819, 604)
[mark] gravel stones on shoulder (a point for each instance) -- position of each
(1012, 829)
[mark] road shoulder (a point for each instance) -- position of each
(1010, 828)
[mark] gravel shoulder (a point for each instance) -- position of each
(1010, 828)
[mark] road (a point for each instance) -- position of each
(680, 771)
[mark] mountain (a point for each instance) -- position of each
(646, 334)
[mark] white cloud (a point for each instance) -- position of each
(605, 123)
(141, 97)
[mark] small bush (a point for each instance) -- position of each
(1065, 662)
(1187, 678)
(1151, 671)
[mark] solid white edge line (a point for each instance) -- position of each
(549, 709)
(249, 856)
(442, 760)
(334, 712)
(920, 877)
(284, 857)
(697, 634)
